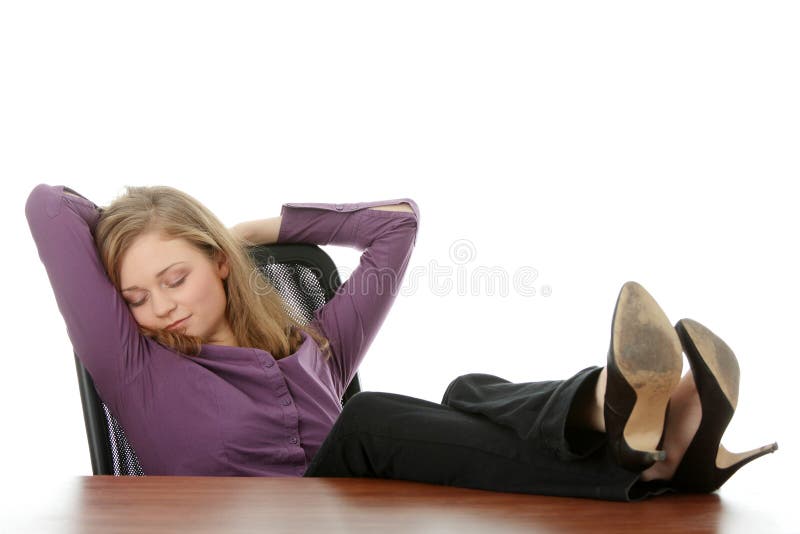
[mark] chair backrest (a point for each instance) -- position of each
(306, 278)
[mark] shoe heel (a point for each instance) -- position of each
(726, 464)
(732, 461)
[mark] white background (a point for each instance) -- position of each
(596, 142)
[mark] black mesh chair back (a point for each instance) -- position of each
(305, 277)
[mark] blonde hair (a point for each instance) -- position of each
(258, 319)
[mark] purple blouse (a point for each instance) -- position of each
(233, 411)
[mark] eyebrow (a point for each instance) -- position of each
(157, 275)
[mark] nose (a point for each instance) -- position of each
(162, 305)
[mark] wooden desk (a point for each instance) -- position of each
(107, 504)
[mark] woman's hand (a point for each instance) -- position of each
(258, 232)
(238, 233)
(404, 206)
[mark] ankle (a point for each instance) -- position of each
(658, 471)
(598, 417)
(586, 411)
(683, 420)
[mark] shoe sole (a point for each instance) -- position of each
(648, 353)
(709, 348)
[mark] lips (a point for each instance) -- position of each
(177, 324)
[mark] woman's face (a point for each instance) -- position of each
(166, 280)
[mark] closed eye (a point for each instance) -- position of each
(176, 284)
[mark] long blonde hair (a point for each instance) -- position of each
(258, 319)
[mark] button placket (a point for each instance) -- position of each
(291, 417)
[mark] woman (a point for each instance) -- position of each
(209, 375)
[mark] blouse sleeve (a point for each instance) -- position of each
(351, 319)
(99, 324)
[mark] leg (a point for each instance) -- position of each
(584, 428)
(557, 412)
(387, 435)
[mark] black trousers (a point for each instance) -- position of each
(487, 433)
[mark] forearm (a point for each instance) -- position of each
(265, 231)
(260, 231)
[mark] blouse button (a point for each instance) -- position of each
(269, 363)
(293, 440)
(286, 402)
(339, 207)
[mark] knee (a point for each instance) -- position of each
(471, 381)
(362, 404)
(449, 389)
(375, 409)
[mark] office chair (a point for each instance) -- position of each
(306, 278)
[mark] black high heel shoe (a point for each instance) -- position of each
(707, 464)
(644, 366)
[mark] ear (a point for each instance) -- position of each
(223, 269)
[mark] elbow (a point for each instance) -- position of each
(411, 207)
(413, 224)
(39, 201)
(415, 209)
